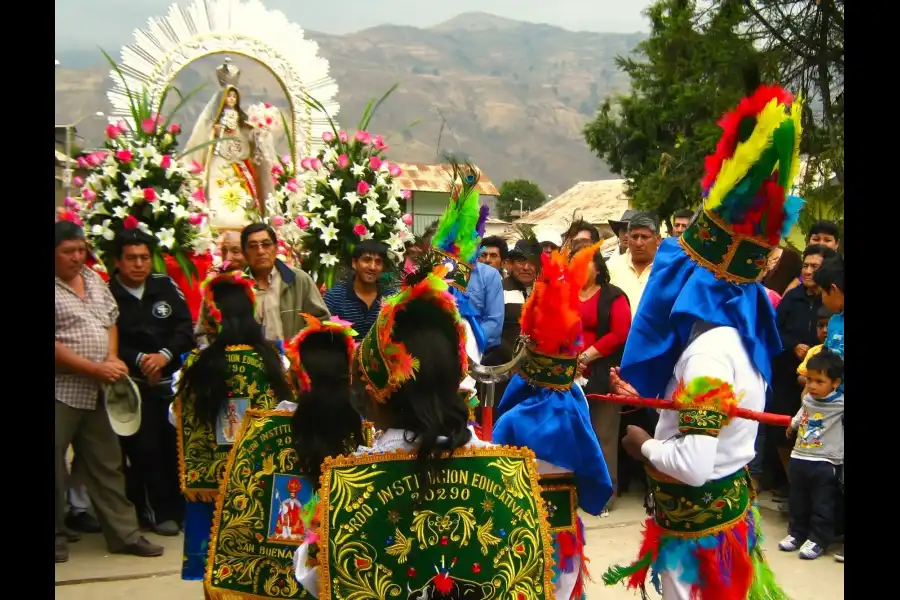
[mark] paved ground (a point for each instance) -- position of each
(92, 574)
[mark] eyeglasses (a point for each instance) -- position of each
(267, 245)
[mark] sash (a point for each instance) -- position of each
(203, 452)
(479, 530)
(683, 510)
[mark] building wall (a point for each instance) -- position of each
(427, 207)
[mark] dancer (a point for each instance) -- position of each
(456, 517)
(270, 488)
(703, 337)
(544, 409)
(239, 370)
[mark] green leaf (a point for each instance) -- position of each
(287, 133)
(132, 106)
(370, 109)
(182, 101)
(187, 266)
(159, 263)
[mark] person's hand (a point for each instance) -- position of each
(800, 350)
(789, 432)
(635, 437)
(153, 364)
(217, 129)
(620, 386)
(111, 371)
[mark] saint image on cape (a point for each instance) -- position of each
(289, 510)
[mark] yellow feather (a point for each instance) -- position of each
(746, 154)
(796, 110)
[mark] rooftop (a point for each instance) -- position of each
(420, 177)
(594, 201)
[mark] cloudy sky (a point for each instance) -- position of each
(89, 23)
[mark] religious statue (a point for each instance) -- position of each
(289, 525)
(236, 158)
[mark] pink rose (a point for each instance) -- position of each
(149, 194)
(293, 185)
(315, 164)
(407, 219)
(362, 137)
(174, 128)
(148, 126)
(122, 125)
(379, 144)
(130, 222)
(199, 195)
(302, 222)
(69, 202)
(89, 194)
(360, 229)
(286, 158)
(395, 170)
(195, 219)
(112, 132)
(78, 181)
(165, 162)
(95, 159)
(342, 135)
(306, 164)
(343, 161)
(277, 221)
(328, 137)
(374, 163)
(405, 194)
(123, 155)
(277, 169)
(196, 168)
(82, 162)
(362, 188)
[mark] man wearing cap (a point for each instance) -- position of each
(632, 270)
(524, 265)
(86, 355)
(620, 229)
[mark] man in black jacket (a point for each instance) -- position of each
(155, 330)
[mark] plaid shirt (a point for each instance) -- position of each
(82, 325)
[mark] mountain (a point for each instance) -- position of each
(515, 95)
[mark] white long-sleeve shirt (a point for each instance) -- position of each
(696, 459)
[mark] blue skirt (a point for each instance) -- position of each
(198, 522)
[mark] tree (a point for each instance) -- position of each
(689, 74)
(515, 189)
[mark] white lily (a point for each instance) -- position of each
(335, 185)
(145, 228)
(329, 234)
(179, 212)
(329, 156)
(368, 236)
(148, 152)
(120, 212)
(395, 241)
(381, 181)
(392, 205)
(352, 198)
(332, 213)
(316, 223)
(166, 237)
(328, 259)
(372, 216)
(110, 171)
(314, 202)
(134, 195)
(103, 230)
(94, 181)
(135, 177)
(111, 194)
(358, 170)
(168, 197)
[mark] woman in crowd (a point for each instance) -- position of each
(605, 320)
(239, 370)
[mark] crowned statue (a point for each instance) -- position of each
(236, 158)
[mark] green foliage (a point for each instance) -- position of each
(689, 74)
(531, 195)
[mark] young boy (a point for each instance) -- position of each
(822, 318)
(818, 454)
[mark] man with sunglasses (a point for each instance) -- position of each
(282, 293)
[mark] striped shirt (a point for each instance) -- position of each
(343, 302)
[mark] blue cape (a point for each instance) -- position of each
(468, 312)
(679, 293)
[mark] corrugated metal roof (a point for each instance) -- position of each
(594, 201)
(420, 177)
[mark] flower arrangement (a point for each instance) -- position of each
(327, 204)
(263, 116)
(138, 182)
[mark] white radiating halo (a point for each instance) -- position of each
(240, 27)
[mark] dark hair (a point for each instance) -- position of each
(823, 313)
(206, 380)
(581, 225)
(132, 237)
(819, 250)
(683, 214)
(429, 407)
(66, 231)
(644, 220)
(371, 247)
(827, 362)
(830, 273)
(824, 226)
(325, 361)
(495, 241)
(602, 277)
(243, 118)
(252, 228)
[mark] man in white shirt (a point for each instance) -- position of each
(631, 270)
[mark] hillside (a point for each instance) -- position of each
(515, 95)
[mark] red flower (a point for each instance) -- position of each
(411, 572)
(719, 503)
(125, 156)
(149, 194)
(130, 222)
(361, 563)
(476, 568)
(165, 162)
(520, 548)
(444, 541)
(174, 128)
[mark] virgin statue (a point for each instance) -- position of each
(237, 159)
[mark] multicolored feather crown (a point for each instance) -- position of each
(341, 330)
(230, 278)
(384, 363)
(747, 208)
(461, 227)
(551, 319)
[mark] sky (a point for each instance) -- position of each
(84, 24)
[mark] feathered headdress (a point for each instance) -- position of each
(551, 319)
(747, 208)
(461, 227)
(384, 363)
(229, 277)
(340, 329)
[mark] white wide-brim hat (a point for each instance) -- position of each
(123, 406)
